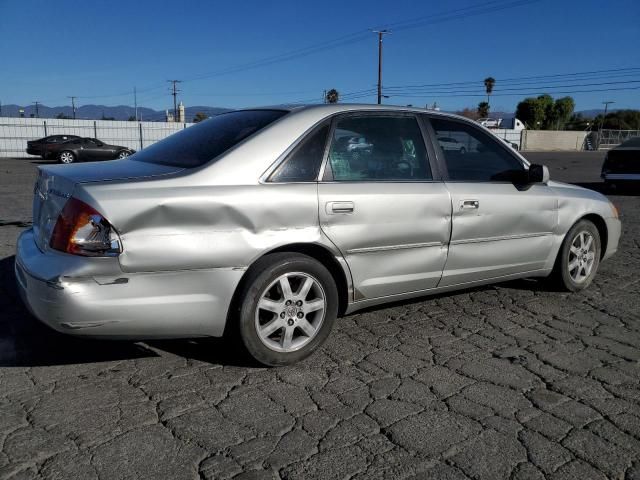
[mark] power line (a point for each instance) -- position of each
(517, 89)
(623, 71)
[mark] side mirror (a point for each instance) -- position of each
(100, 144)
(538, 173)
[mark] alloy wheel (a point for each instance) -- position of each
(66, 157)
(582, 254)
(290, 312)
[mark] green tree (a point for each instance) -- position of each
(132, 118)
(620, 120)
(200, 116)
(332, 96)
(483, 109)
(62, 116)
(489, 82)
(531, 111)
(562, 111)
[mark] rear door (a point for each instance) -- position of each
(501, 225)
(382, 206)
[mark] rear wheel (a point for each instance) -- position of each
(66, 157)
(579, 257)
(289, 305)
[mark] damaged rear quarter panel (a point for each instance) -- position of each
(165, 225)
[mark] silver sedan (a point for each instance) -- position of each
(267, 224)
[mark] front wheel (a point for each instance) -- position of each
(123, 154)
(579, 257)
(67, 157)
(289, 306)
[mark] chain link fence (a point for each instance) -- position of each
(607, 139)
(15, 132)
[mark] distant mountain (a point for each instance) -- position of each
(97, 112)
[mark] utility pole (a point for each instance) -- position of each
(73, 105)
(37, 110)
(135, 102)
(380, 34)
(175, 95)
(324, 96)
(606, 106)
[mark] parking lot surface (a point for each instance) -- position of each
(508, 381)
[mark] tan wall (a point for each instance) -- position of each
(552, 140)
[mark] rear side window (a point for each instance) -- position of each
(197, 145)
(303, 163)
(378, 148)
(473, 155)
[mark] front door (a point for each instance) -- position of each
(380, 205)
(500, 224)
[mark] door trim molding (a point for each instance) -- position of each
(393, 247)
(499, 238)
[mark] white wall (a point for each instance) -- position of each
(15, 132)
(552, 140)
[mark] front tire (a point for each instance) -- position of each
(66, 157)
(289, 305)
(123, 154)
(579, 257)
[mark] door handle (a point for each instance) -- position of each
(469, 204)
(333, 208)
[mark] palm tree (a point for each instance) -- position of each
(489, 82)
(483, 109)
(332, 96)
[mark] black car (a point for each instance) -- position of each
(86, 150)
(38, 147)
(622, 163)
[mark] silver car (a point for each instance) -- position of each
(264, 224)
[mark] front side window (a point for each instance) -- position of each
(378, 148)
(472, 155)
(303, 163)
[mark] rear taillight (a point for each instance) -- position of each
(81, 230)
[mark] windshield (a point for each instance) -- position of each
(195, 146)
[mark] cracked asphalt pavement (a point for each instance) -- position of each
(508, 381)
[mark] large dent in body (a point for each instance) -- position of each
(204, 227)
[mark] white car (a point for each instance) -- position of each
(451, 144)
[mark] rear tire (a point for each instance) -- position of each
(288, 306)
(66, 157)
(578, 258)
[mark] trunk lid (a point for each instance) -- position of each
(55, 185)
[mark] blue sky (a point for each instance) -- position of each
(98, 50)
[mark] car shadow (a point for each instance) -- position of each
(44, 162)
(26, 342)
(530, 284)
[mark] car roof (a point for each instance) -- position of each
(632, 143)
(332, 108)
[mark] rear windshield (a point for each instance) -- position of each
(196, 145)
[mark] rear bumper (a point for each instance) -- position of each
(34, 151)
(179, 304)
